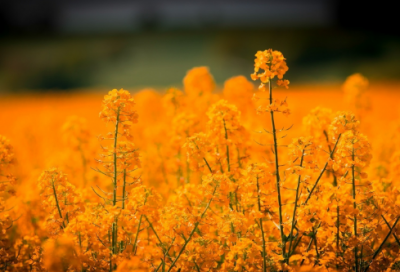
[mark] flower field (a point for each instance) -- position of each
(254, 175)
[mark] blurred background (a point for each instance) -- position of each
(61, 45)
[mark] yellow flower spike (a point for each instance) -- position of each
(273, 65)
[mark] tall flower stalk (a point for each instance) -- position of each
(273, 65)
(118, 108)
(278, 186)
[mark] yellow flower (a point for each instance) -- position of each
(273, 65)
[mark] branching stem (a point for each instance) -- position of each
(194, 230)
(323, 170)
(382, 244)
(295, 207)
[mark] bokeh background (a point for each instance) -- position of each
(59, 45)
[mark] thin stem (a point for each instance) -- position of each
(330, 151)
(262, 230)
(197, 267)
(227, 146)
(187, 172)
(123, 190)
(57, 204)
(314, 236)
(295, 245)
(194, 230)
(355, 207)
(316, 246)
(295, 207)
(278, 188)
(115, 159)
(238, 154)
(165, 254)
(80, 240)
(158, 268)
(158, 238)
(381, 245)
(114, 227)
(394, 234)
(323, 170)
(337, 232)
(209, 168)
(308, 248)
(137, 235)
(113, 242)
(179, 174)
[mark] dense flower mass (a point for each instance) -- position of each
(205, 181)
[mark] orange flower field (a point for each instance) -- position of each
(252, 176)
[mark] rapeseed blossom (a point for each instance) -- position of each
(200, 180)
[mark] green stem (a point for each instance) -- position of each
(114, 226)
(308, 248)
(394, 234)
(278, 188)
(80, 240)
(187, 172)
(194, 230)
(355, 207)
(239, 162)
(158, 268)
(316, 246)
(314, 236)
(123, 190)
(57, 204)
(209, 168)
(295, 245)
(381, 245)
(227, 146)
(323, 170)
(330, 151)
(115, 159)
(158, 238)
(197, 267)
(262, 230)
(295, 208)
(337, 232)
(113, 242)
(137, 235)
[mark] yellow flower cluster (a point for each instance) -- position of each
(273, 65)
(207, 185)
(118, 105)
(61, 201)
